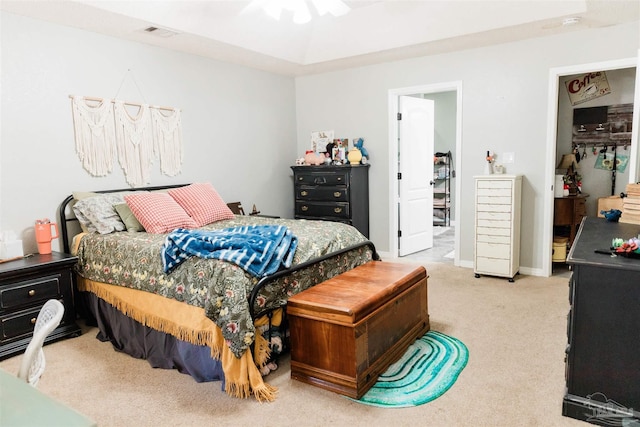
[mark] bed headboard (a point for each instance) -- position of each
(69, 224)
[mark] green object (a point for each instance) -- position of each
(428, 368)
(24, 405)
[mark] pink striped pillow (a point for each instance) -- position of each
(158, 212)
(202, 202)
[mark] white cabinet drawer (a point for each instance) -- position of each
(493, 200)
(490, 192)
(493, 250)
(484, 223)
(493, 208)
(490, 183)
(494, 216)
(495, 238)
(491, 231)
(492, 266)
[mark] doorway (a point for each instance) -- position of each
(556, 76)
(454, 91)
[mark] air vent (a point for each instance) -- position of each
(160, 32)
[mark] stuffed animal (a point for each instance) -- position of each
(359, 145)
(612, 215)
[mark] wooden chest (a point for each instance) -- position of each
(346, 331)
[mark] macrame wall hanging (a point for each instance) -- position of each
(106, 127)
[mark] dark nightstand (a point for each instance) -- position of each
(25, 285)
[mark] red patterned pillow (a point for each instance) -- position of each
(202, 202)
(158, 212)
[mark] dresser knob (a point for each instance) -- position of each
(33, 320)
(337, 194)
(32, 292)
(300, 178)
(339, 178)
(304, 208)
(337, 210)
(303, 193)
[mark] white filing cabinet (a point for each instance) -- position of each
(497, 236)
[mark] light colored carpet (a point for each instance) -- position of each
(515, 333)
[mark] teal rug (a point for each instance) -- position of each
(428, 368)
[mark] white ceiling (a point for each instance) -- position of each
(374, 31)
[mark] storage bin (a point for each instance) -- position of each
(559, 249)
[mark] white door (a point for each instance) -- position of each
(415, 165)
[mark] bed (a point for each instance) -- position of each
(208, 318)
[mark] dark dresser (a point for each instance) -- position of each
(25, 285)
(333, 193)
(602, 369)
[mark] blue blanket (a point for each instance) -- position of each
(259, 249)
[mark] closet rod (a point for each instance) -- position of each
(133, 104)
(602, 144)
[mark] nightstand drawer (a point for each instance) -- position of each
(337, 210)
(339, 178)
(30, 292)
(322, 193)
(19, 323)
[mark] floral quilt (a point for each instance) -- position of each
(221, 288)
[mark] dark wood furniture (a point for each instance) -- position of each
(347, 330)
(602, 361)
(25, 285)
(236, 208)
(333, 193)
(569, 211)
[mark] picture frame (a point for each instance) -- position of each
(320, 139)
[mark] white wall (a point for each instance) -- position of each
(238, 123)
(504, 92)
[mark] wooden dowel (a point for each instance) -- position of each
(132, 104)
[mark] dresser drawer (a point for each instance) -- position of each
(494, 192)
(494, 250)
(484, 223)
(19, 323)
(580, 210)
(493, 208)
(492, 265)
(494, 216)
(323, 193)
(338, 178)
(29, 292)
(316, 209)
(493, 184)
(494, 238)
(494, 200)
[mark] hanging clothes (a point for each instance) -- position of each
(167, 133)
(134, 142)
(94, 134)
